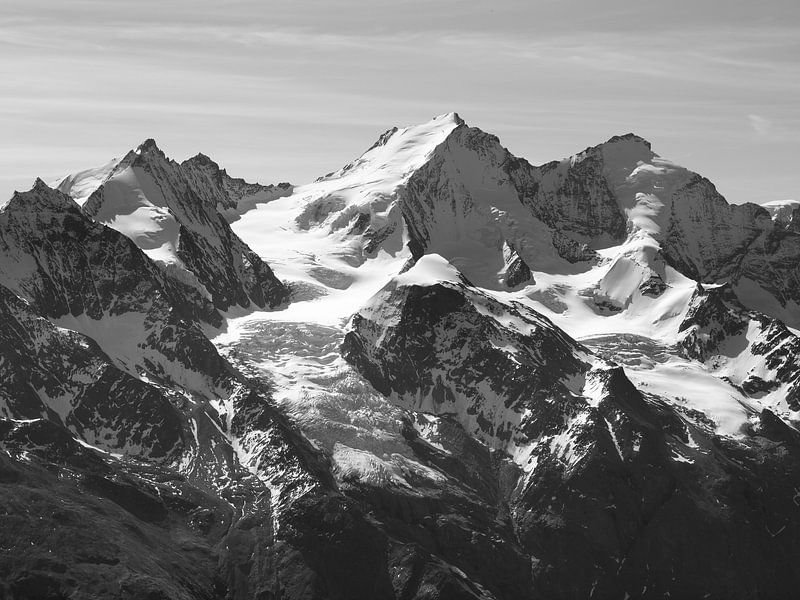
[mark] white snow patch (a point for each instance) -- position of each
(136, 207)
(688, 384)
(429, 270)
(593, 389)
(366, 467)
(614, 439)
(82, 184)
(781, 210)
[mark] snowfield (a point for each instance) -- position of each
(303, 238)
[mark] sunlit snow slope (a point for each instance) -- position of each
(611, 244)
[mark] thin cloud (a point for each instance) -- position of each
(771, 130)
(761, 126)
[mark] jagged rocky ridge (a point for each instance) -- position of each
(460, 443)
(172, 212)
(231, 196)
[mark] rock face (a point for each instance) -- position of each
(499, 380)
(60, 375)
(231, 196)
(575, 195)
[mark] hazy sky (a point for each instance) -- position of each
(288, 91)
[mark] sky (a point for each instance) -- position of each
(289, 91)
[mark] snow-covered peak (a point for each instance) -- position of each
(82, 184)
(145, 197)
(352, 214)
(173, 214)
(399, 152)
(134, 205)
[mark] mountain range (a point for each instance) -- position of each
(439, 372)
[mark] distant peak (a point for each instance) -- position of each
(147, 146)
(40, 186)
(40, 197)
(202, 160)
(148, 150)
(629, 138)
